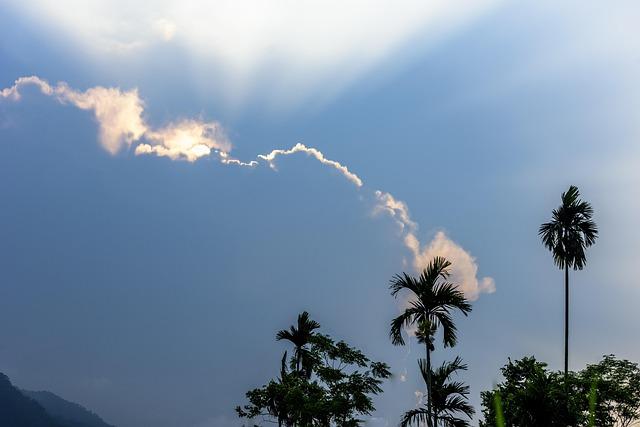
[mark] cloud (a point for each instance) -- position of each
(187, 139)
(118, 113)
(288, 51)
(396, 209)
(317, 154)
(464, 267)
(13, 92)
(120, 121)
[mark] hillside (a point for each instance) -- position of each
(18, 410)
(67, 413)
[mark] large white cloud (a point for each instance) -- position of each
(285, 49)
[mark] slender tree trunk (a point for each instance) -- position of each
(429, 413)
(566, 322)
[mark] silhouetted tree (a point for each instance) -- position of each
(336, 388)
(617, 391)
(301, 336)
(605, 394)
(570, 231)
(449, 398)
(431, 305)
(531, 396)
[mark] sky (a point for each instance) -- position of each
(178, 180)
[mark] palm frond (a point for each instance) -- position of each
(418, 416)
(403, 281)
(438, 268)
(410, 316)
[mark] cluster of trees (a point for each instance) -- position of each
(603, 394)
(328, 383)
(323, 383)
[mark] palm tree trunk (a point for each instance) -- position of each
(566, 321)
(429, 414)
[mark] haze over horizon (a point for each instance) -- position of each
(179, 181)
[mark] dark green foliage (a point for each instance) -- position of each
(570, 231)
(425, 334)
(606, 394)
(17, 410)
(300, 337)
(328, 383)
(616, 385)
(68, 413)
(432, 303)
(531, 396)
(449, 398)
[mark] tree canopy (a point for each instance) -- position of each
(335, 387)
(605, 394)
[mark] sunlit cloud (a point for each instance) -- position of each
(120, 122)
(397, 209)
(464, 266)
(317, 154)
(13, 92)
(187, 139)
(118, 113)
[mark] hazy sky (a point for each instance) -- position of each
(152, 242)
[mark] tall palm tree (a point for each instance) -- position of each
(300, 336)
(449, 398)
(570, 231)
(431, 305)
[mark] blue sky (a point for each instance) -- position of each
(149, 287)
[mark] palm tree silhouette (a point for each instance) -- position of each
(570, 231)
(300, 336)
(431, 306)
(449, 398)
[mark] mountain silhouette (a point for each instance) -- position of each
(66, 413)
(18, 410)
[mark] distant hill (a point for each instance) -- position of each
(18, 410)
(64, 412)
